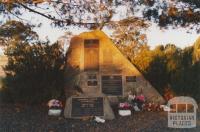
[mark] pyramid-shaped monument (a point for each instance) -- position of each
(102, 68)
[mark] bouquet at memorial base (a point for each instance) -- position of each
(124, 109)
(124, 105)
(55, 107)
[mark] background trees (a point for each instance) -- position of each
(34, 72)
(129, 36)
(171, 67)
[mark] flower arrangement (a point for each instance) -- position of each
(55, 107)
(124, 105)
(55, 104)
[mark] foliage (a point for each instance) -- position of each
(13, 31)
(34, 70)
(170, 67)
(94, 13)
(128, 35)
(86, 13)
(165, 66)
(176, 13)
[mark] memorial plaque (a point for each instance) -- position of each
(112, 85)
(91, 43)
(91, 106)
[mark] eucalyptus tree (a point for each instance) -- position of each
(96, 13)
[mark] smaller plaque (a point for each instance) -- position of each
(130, 78)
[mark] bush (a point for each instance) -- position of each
(34, 73)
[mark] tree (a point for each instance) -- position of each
(73, 12)
(91, 14)
(173, 57)
(13, 31)
(96, 13)
(143, 59)
(128, 35)
(152, 63)
(34, 72)
(176, 13)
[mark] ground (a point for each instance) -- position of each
(26, 118)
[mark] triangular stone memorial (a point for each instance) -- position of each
(102, 68)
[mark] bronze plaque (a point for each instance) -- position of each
(91, 106)
(91, 43)
(112, 85)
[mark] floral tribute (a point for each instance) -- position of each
(54, 104)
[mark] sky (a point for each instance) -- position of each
(180, 37)
(155, 35)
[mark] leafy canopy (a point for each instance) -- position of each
(96, 13)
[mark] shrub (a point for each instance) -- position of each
(34, 71)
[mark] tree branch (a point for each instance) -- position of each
(67, 21)
(34, 11)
